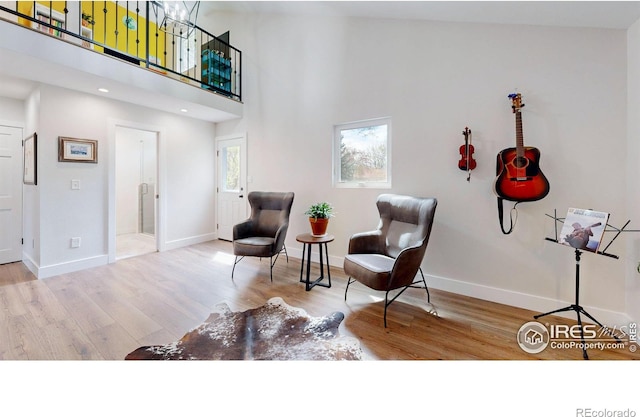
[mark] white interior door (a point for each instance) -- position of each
(10, 194)
(232, 196)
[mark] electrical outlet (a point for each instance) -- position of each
(75, 242)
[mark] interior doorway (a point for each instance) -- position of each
(136, 191)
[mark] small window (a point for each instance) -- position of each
(231, 168)
(362, 154)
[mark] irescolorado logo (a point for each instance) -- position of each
(533, 337)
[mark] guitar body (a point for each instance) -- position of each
(520, 178)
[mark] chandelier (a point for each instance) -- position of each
(178, 17)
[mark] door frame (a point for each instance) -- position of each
(160, 131)
(243, 174)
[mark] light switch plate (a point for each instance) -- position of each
(75, 184)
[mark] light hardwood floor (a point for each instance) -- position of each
(107, 312)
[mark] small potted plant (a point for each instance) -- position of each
(86, 20)
(319, 215)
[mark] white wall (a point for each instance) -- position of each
(633, 170)
(12, 111)
(31, 193)
(188, 166)
(302, 75)
(127, 180)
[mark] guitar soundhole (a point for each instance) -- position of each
(520, 162)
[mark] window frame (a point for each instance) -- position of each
(337, 157)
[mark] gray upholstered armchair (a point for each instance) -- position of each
(263, 233)
(389, 257)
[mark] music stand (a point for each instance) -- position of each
(576, 306)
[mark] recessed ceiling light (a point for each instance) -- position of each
(103, 90)
(184, 110)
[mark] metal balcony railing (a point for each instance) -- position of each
(141, 33)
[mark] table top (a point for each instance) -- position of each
(309, 238)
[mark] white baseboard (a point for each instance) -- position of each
(527, 301)
(67, 267)
(30, 264)
(180, 243)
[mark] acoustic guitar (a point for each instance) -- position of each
(519, 177)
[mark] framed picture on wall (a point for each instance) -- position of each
(30, 155)
(77, 150)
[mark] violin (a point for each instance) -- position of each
(466, 162)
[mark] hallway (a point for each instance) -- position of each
(134, 244)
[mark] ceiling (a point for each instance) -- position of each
(591, 14)
(594, 14)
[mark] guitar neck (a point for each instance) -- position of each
(519, 136)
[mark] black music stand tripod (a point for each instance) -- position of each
(579, 310)
(576, 306)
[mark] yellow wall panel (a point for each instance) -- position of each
(111, 29)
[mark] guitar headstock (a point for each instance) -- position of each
(516, 99)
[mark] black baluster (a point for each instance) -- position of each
(66, 13)
(126, 40)
(146, 31)
(104, 35)
(138, 29)
(173, 46)
(116, 32)
(195, 49)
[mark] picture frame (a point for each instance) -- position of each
(77, 150)
(30, 160)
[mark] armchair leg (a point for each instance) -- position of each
(386, 304)
(349, 282)
(235, 262)
(425, 286)
(271, 262)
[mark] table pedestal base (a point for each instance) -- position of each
(318, 281)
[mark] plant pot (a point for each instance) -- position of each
(318, 226)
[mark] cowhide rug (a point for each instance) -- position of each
(275, 331)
